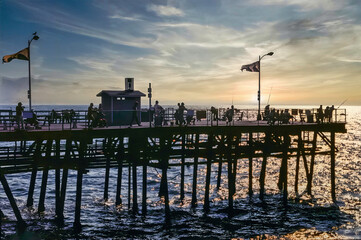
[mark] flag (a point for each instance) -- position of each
(253, 67)
(22, 55)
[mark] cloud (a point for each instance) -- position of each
(13, 90)
(125, 18)
(167, 11)
(305, 5)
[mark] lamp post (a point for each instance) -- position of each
(259, 84)
(35, 37)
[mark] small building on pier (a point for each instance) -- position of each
(118, 104)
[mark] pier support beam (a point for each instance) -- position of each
(44, 181)
(36, 159)
(57, 178)
(312, 163)
(120, 158)
(20, 221)
(164, 162)
(107, 151)
(266, 151)
(250, 164)
(333, 175)
(299, 146)
(230, 175)
(64, 180)
(182, 168)
(134, 157)
(221, 148)
(79, 184)
(195, 171)
(145, 163)
(208, 171)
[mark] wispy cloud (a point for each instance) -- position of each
(125, 18)
(162, 10)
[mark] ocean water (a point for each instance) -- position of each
(310, 217)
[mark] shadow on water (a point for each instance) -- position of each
(250, 219)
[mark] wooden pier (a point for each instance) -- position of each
(163, 148)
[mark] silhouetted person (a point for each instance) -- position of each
(319, 117)
(229, 115)
(90, 114)
(181, 110)
(158, 114)
(330, 113)
(214, 113)
(19, 115)
(266, 112)
(135, 114)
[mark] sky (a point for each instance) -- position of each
(189, 50)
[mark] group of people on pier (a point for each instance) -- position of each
(326, 115)
(95, 116)
(272, 116)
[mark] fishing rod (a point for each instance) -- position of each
(269, 96)
(342, 103)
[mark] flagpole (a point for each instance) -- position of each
(29, 91)
(259, 90)
(35, 37)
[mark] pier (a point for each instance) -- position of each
(128, 149)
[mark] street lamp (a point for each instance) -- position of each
(259, 85)
(35, 37)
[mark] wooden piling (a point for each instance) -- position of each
(298, 161)
(264, 164)
(79, 183)
(129, 180)
(250, 164)
(64, 180)
(333, 174)
(134, 155)
(11, 199)
(182, 168)
(208, 171)
(164, 161)
(220, 152)
(44, 181)
(195, 171)
(286, 143)
(312, 163)
(36, 158)
(120, 157)
(144, 187)
(107, 149)
(230, 175)
(57, 178)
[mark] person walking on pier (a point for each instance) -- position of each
(19, 115)
(229, 115)
(90, 114)
(158, 114)
(135, 114)
(181, 110)
(319, 115)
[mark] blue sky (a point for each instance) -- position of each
(191, 51)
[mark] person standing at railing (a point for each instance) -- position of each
(158, 114)
(229, 115)
(330, 113)
(181, 110)
(19, 115)
(135, 114)
(90, 114)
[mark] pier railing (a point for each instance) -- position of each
(78, 119)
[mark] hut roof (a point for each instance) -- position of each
(119, 93)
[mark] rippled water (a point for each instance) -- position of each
(310, 217)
